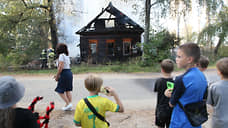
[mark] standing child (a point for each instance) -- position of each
(218, 96)
(64, 76)
(163, 110)
(84, 117)
(189, 87)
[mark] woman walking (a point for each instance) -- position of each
(64, 75)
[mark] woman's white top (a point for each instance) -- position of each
(65, 59)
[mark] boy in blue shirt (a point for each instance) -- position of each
(189, 87)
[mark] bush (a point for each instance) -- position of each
(3, 63)
(159, 47)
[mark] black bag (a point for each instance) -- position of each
(99, 116)
(196, 112)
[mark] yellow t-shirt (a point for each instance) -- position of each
(84, 116)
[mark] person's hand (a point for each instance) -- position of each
(111, 91)
(56, 78)
(168, 92)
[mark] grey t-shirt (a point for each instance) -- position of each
(218, 98)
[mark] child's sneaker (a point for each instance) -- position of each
(67, 108)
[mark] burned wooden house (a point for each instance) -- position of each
(110, 36)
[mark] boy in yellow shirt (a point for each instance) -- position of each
(84, 117)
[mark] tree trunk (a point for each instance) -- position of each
(217, 47)
(147, 21)
(44, 34)
(221, 40)
(52, 23)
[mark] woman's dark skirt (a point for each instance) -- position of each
(65, 82)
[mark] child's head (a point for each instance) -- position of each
(187, 55)
(93, 83)
(10, 92)
(167, 65)
(222, 67)
(203, 63)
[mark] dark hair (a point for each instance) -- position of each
(191, 50)
(203, 61)
(7, 117)
(61, 48)
(222, 66)
(167, 65)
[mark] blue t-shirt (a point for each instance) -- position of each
(189, 87)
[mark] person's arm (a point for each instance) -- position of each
(210, 97)
(178, 91)
(77, 115)
(168, 92)
(78, 125)
(156, 86)
(60, 68)
(116, 97)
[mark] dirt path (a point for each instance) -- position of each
(129, 119)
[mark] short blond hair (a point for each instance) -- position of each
(93, 83)
(222, 66)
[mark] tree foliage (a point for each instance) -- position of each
(217, 29)
(24, 30)
(177, 8)
(159, 47)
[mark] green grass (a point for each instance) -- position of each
(126, 68)
(84, 68)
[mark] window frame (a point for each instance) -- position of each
(108, 41)
(127, 40)
(93, 41)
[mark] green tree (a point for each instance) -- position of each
(159, 47)
(25, 29)
(218, 29)
(177, 8)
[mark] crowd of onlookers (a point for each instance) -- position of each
(173, 93)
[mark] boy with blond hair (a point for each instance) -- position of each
(218, 97)
(163, 110)
(189, 87)
(84, 116)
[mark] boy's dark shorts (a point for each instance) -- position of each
(162, 122)
(65, 82)
(163, 115)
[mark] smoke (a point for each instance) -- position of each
(72, 15)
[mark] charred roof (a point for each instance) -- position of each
(117, 22)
